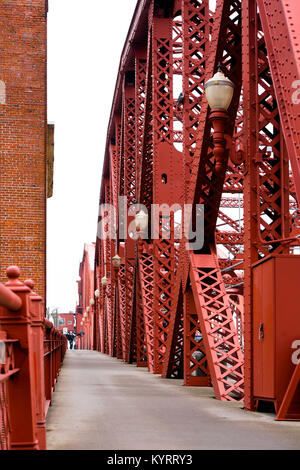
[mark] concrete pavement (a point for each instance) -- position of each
(102, 403)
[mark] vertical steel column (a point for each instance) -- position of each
(140, 103)
(129, 124)
(196, 32)
(224, 355)
(146, 273)
(266, 184)
(163, 182)
(108, 269)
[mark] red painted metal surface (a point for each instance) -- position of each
(33, 353)
(275, 325)
(7, 370)
(214, 315)
(8, 299)
(188, 313)
(289, 409)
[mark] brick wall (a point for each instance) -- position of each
(23, 125)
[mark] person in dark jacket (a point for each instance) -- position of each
(70, 338)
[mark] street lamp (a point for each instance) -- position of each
(141, 221)
(219, 93)
(116, 261)
(85, 315)
(97, 293)
(104, 281)
(92, 302)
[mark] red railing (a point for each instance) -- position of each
(55, 345)
(7, 370)
(31, 353)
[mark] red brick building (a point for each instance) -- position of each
(85, 307)
(66, 320)
(24, 139)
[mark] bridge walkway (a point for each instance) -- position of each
(102, 403)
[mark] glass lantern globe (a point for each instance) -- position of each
(141, 221)
(116, 261)
(219, 91)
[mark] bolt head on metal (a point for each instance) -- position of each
(97, 293)
(104, 281)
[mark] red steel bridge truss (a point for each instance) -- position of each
(179, 311)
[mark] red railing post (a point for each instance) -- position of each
(52, 373)
(37, 329)
(47, 365)
(55, 348)
(57, 355)
(21, 388)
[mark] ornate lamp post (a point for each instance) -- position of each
(141, 221)
(219, 93)
(116, 262)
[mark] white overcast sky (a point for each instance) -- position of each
(85, 41)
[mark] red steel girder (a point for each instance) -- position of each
(223, 350)
(167, 164)
(167, 296)
(146, 273)
(266, 183)
(281, 27)
(141, 343)
(226, 371)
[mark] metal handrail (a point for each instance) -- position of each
(9, 299)
(30, 382)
